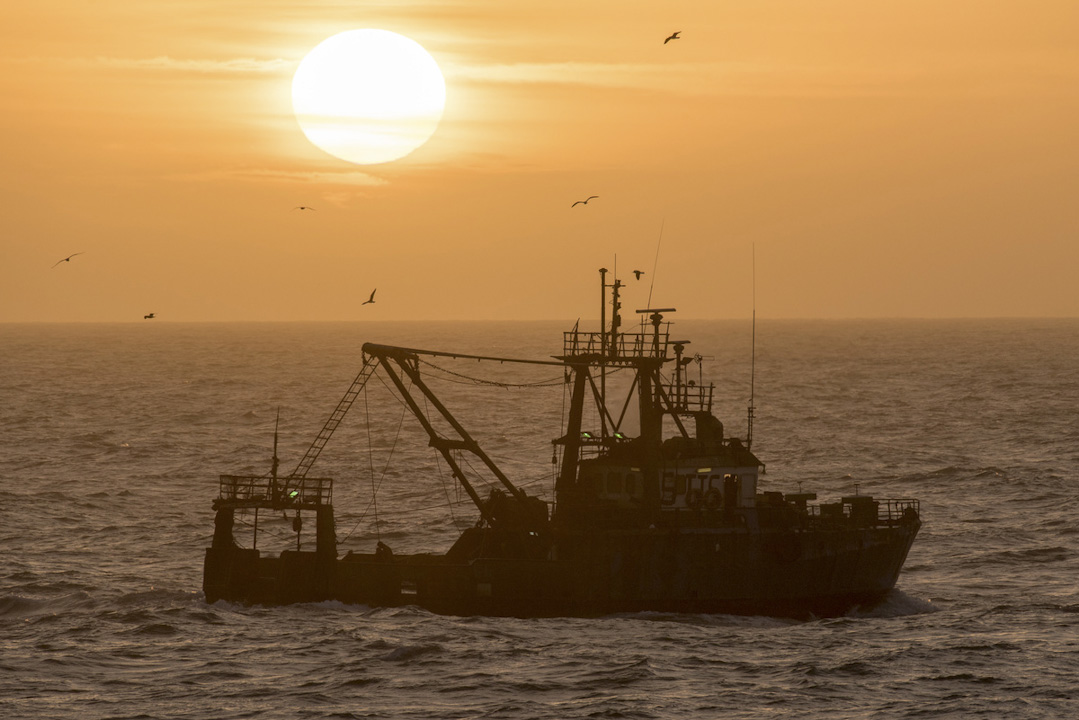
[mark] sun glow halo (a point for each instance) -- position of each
(368, 96)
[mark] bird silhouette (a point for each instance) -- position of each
(303, 207)
(672, 36)
(370, 299)
(638, 273)
(148, 317)
(67, 259)
(584, 202)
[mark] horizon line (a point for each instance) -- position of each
(856, 318)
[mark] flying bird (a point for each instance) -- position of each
(148, 317)
(638, 273)
(584, 202)
(303, 207)
(672, 36)
(370, 299)
(67, 259)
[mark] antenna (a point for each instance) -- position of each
(655, 263)
(276, 422)
(752, 356)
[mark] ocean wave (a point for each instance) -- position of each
(963, 677)
(961, 472)
(895, 604)
(18, 605)
(155, 629)
(409, 653)
(1054, 554)
(157, 598)
(706, 619)
(1036, 607)
(618, 675)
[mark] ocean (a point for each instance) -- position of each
(112, 437)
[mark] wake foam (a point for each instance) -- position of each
(895, 604)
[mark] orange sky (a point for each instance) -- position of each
(906, 158)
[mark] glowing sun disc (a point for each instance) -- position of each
(368, 96)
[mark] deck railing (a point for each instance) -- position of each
(888, 511)
(893, 511)
(626, 346)
(690, 398)
(285, 491)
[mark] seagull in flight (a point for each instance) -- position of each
(148, 317)
(67, 259)
(584, 202)
(303, 207)
(638, 273)
(370, 299)
(672, 36)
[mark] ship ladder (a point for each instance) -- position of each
(369, 365)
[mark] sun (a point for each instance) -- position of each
(368, 96)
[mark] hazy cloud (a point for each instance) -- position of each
(572, 73)
(948, 76)
(164, 63)
(716, 78)
(344, 177)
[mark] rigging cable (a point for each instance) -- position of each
(393, 447)
(438, 464)
(371, 460)
(372, 504)
(481, 381)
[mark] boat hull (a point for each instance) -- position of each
(709, 570)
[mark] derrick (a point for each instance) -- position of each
(400, 363)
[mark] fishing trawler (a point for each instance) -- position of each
(671, 519)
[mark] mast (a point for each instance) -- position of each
(651, 415)
(572, 440)
(752, 357)
(616, 317)
(612, 348)
(276, 462)
(603, 338)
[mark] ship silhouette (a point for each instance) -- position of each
(669, 520)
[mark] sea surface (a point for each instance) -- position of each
(112, 438)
